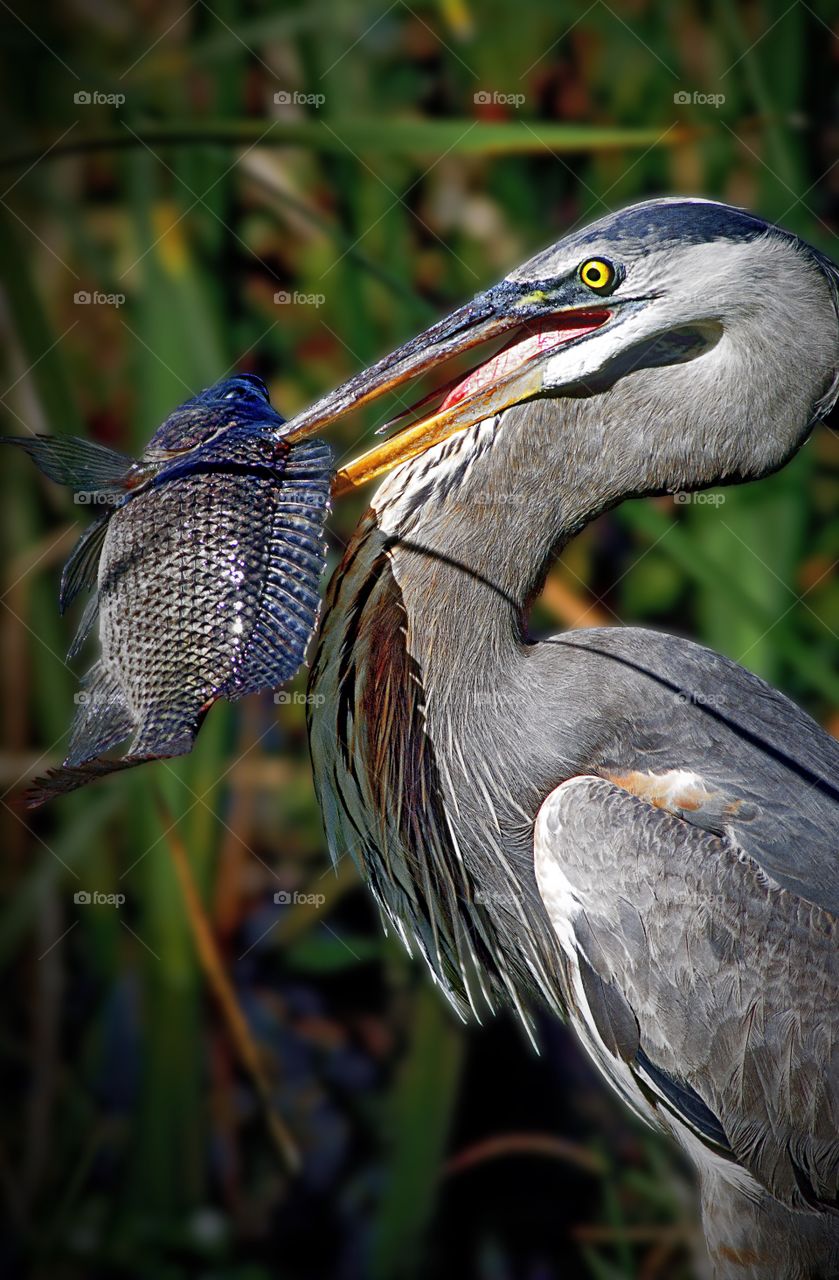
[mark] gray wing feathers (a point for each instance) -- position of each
(615, 1021)
(676, 704)
(732, 979)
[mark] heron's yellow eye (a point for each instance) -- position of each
(598, 274)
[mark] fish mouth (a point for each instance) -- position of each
(506, 376)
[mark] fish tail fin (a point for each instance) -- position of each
(83, 464)
(168, 730)
(64, 779)
(155, 740)
(102, 720)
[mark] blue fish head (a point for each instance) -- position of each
(246, 389)
(240, 403)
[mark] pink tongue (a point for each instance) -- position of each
(512, 357)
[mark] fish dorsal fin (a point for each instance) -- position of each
(290, 597)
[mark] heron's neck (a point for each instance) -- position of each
(474, 525)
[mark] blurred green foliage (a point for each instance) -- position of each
(293, 192)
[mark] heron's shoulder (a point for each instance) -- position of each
(691, 672)
(682, 716)
(707, 702)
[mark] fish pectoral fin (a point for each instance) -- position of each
(70, 460)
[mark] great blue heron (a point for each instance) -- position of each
(622, 822)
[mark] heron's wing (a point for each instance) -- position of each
(700, 989)
(698, 734)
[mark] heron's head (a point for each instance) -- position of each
(716, 332)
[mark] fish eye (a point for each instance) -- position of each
(598, 274)
(247, 387)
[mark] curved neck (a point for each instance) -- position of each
(474, 524)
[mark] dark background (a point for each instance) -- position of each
(415, 154)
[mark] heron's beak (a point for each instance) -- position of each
(511, 375)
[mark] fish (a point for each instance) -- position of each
(204, 562)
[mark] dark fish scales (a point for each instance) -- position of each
(206, 559)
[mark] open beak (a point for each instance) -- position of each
(507, 377)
